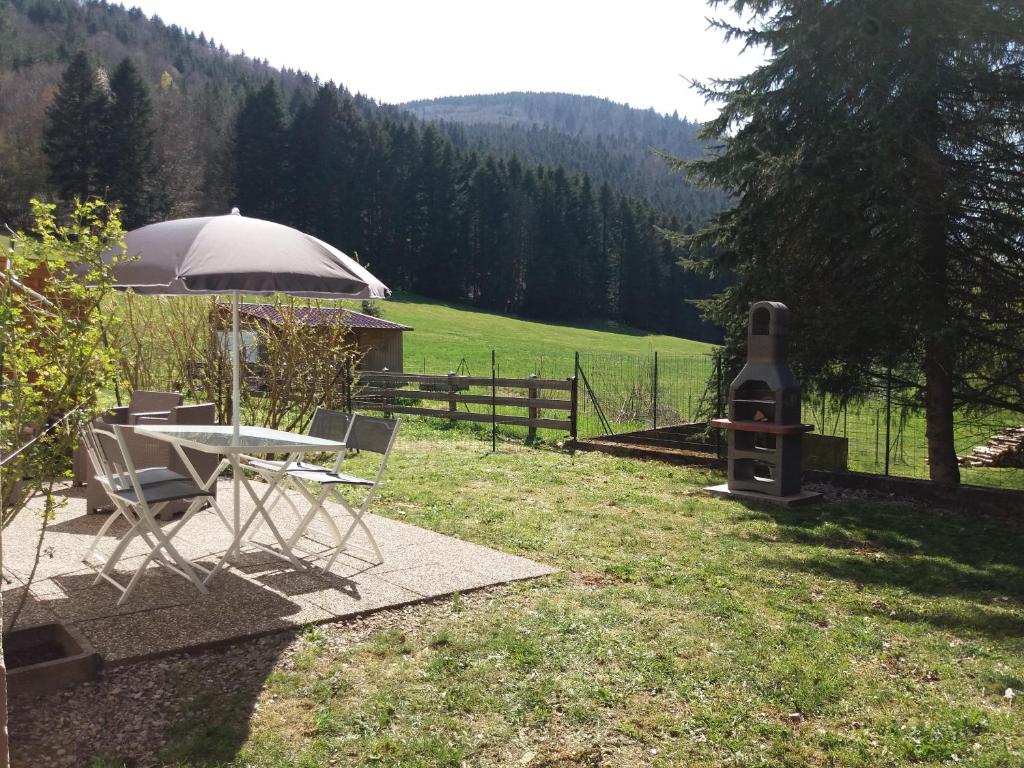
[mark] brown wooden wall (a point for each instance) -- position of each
(382, 349)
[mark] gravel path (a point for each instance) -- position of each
(126, 714)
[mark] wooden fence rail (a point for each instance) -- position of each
(392, 393)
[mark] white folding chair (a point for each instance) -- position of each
(360, 433)
(325, 424)
(138, 496)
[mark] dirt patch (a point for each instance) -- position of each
(36, 654)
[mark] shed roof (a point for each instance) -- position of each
(322, 316)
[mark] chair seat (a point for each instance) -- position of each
(275, 466)
(171, 490)
(146, 476)
(325, 476)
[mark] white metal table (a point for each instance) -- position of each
(223, 441)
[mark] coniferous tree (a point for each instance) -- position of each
(73, 139)
(878, 195)
(490, 246)
(128, 165)
(314, 164)
(259, 155)
(439, 267)
(353, 141)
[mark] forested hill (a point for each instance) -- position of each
(196, 88)
(99, 100)
(612, 143)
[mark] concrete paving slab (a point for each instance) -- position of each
(357, 597)
(149, 634)
(79, 600)
(796, 499)
(260, 593)
(438, 579)
(33, 612)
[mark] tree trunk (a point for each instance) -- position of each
(938, 371)
(5, 755)
(930, 177)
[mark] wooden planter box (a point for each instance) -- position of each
(46, 657)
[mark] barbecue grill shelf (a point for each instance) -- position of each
(765, 427)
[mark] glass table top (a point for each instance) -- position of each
(220, 439)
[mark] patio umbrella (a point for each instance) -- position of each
(238, 254)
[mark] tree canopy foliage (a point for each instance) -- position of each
(876, 160)
(50, 376)
(201, 130)
(98, 140)
(457, 226)
(614, 144)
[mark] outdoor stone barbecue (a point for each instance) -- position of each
(764, 425)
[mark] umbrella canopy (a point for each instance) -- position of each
(237, 254)
(222, 254)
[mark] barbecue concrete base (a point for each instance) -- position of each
(261, 594)
(804, 497)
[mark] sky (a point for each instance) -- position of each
(638, 52)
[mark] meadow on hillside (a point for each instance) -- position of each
(447, 335)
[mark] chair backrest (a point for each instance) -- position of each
(106, 455)
(330, 425)
(144, 401)
(201, 413)
(371, 433)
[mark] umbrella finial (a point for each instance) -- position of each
(236, 212)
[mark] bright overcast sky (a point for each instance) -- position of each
(633, 51)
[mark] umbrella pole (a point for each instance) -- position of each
(236, 396)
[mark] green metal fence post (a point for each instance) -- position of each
(718, 401)
(654, 393)
(574, 403)
(348, 384)
(888, 415)
(387, 398)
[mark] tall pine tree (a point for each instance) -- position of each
(128, 163)
(73, 139)
(876, 160)
(259, 155)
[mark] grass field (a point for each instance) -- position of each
(617, 363)
(682, 631)
(445, 335)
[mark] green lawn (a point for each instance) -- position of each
(682, 631)
(446, 334)
(616, 362)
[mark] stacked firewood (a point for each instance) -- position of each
(1005, 449)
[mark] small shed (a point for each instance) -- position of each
(379, 340)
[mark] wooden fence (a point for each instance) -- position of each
(404, 392)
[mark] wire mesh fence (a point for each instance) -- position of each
(627, 393)
(884, 433)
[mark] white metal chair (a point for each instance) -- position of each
(359, 433)
(138, 496)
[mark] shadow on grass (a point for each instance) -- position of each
(217, 721)
(972, 567)
(199, 702)
(208, 701)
